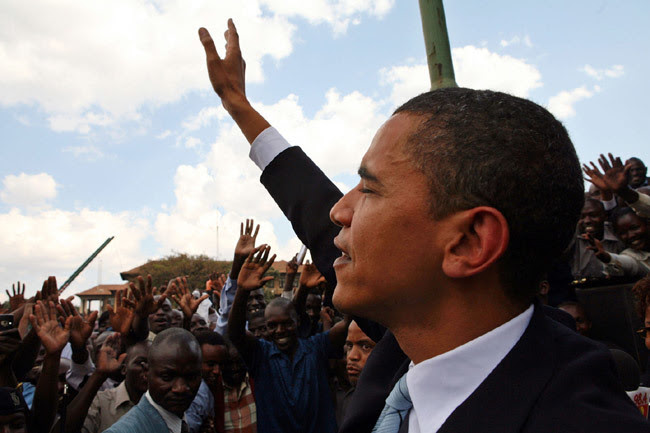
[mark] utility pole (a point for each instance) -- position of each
(436, 41)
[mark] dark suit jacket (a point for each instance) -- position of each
(552, 380)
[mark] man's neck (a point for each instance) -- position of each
(448, 324)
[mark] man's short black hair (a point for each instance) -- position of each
(485, 148)
(181, 338)
(599, 204)
(210, 337)
(286, 304)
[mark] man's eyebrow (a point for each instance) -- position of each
(364, 173)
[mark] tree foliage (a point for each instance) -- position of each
(197, 269)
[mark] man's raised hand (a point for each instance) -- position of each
(145, 304)
(121, 317)
(108, 360)
(310, 276)
(227, 75)
(16, 297)
(251, 276)
(246, 243)
(181, 294)
(52, 336)
(80, 328)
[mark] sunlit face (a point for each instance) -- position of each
(176, 319)
(637, 173)
(633, 232)
(174, 378)
(161, 319)
(198, 324)
(257, 327)
(255, 302)
(358, 347)
(213, 358)
(282, 328)
(592, 220)
(388, 237)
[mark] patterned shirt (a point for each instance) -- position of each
(240, 412)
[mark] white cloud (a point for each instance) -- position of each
(516, 40)
(562, 104)
(166, 133)
(56, 242)
(192, 142)
(475, 67)
(204, 118)
(88, 153)
(91, 64)
(338, 14)
(615, 71)
(28, 191)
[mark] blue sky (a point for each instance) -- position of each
(110, 126)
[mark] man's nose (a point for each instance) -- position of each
(180, 386)
(341, 213)
(354, 354)
(216, 370)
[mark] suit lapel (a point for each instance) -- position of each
(503, 401)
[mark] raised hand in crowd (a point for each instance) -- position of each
(310, 279)
(327, 318)
(145, 304)
(49, 292)
(121, 316)
(597, 247)
(45, 323)
(182, 295)
(613, 179)
(245, 245)
(215, 283)
(109, 358)
(16, 297)
(251, 277)
(109, 361)
(291, 271)
(54, 338)
(81, 328)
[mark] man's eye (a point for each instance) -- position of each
(366, 347)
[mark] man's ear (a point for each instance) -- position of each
(480, 237)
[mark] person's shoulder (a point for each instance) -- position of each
(584, 392)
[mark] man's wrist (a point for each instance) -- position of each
(628, 194)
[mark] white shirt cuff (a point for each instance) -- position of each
(609, 204)
(267, 146)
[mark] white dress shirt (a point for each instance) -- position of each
(173, 422)
(267, 146)
(439, 385)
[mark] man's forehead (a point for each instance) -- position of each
(387, 148)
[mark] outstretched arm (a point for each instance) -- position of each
(251, 277)
(227, 76)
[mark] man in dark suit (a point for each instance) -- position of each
(465, 198)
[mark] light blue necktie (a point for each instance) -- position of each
(396, 410)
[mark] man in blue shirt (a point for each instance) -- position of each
(290, 374)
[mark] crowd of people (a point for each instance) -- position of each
(429, 305)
